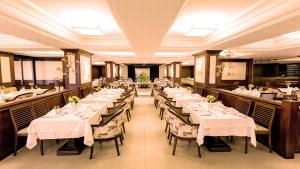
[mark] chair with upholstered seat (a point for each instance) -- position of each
(263, 116)
(117, 106)
(126, 98)
(21, 116)
(107, 130)
(182, 129)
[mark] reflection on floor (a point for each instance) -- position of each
(146, 147)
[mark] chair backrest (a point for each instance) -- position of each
(171, 106)
(86, 91)
(297, 93)
(69, 94)
(263, 114)
(270, 96)
(21, 115)
(107, 119)
(39, 108)
(243, 105)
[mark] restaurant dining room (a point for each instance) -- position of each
(150, 84)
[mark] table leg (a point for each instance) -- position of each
(216, 144)
(73, 146)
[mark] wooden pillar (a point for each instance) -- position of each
(289, 134)
(176, 72)
(109, 71)
(77, 68)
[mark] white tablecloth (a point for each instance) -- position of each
(68, 122)
(171, 92)
(288, 90)
(108, 99)
(254, 92)
(187, 98)
(217, 120)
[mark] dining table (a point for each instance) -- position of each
(171, 92)
(217, 120)
(72, 122)
(187, 98)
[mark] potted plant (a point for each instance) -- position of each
(189, 89)
(210, 98)
(98, 89)
(287, 84)
(250, 86)
(73, 99)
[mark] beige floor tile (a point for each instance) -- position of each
(146, 147)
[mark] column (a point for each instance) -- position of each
(77, 68)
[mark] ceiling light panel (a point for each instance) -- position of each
(117, 53)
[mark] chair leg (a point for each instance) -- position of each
(170, 139)
(117, 146)
(120, 138)
(231, 139)
(199, 152)
(270, 143)
(162, 115)
(246, 145)
(169, 133)
(57, 141)
(16, 145)
(127, 115)
(167, 124)
(123, 125)
(42, 147)
(175, 144)
(91, 152)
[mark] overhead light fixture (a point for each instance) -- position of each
(226, 53)
(117, 53)
(43, 52)
(98, 63)
(199, 32)
(172, 54)
(293, 35)
(87, 28)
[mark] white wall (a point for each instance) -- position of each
(85, 69)
(28, 70)
(46, 70)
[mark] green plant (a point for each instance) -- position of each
(210, 98)
(74, 99)
(142, 78)
(250, 86)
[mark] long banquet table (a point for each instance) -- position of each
(72, 121)
(187, 98)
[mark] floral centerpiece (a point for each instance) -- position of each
(31, 85)
(143, 78)
(98, 89)
(287, 84)
(250, 86)
(210, 98)
(2, 89)
(176, 85)
(73, 99)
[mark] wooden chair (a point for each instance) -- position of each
(86, 91)
(107, 130)
(297, 93)
(182, 129)
(21, 116)
(117, 106)
(263, 116)
(126, 98)
(243, 105)
(39, 108)
(266, 95)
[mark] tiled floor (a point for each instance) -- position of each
(146, 147)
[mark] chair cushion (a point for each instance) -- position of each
(23, 131)
(180, 128)
(260, 129)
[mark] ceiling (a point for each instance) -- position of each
(150, 31)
